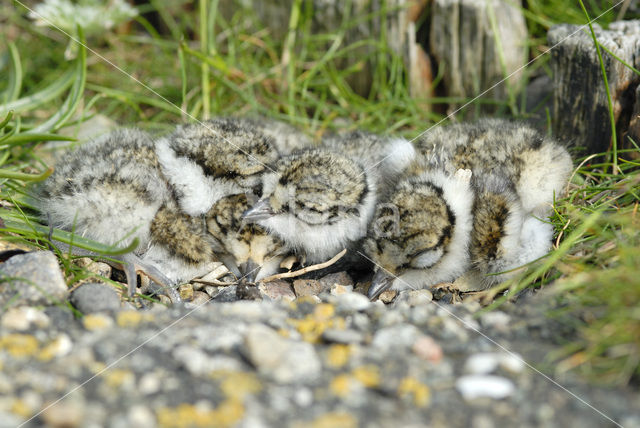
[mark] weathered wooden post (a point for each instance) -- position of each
(580, 105)
(479, 43)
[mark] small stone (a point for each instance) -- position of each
(338, 278)
(476, 386)
(337, 289)
(216, 273)
(150, 383)
(211, 290)
(482, 363)
(246, 291)
(186, 292)
(352, 302)
(94, 322)
(199, 298)
(66, 413)
(36, 280)
(427, 349)
(97, 268)
(141, 416)
(58, 347)
(342, 336)
(23, 317)
(414, 297)
(277, 290)
(226, 294)
(95, 297)
(388, 296)
(395, 338)
(497, 320)
(308, 287)
(512, 362)
(284, 360)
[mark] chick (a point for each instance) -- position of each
(537, 165)
(109, 190)
(421, 235)
(245, 248)
(387, 156)
(206, 162)
(317, 202)
(320, 201)
(448, 228)
(285, 138)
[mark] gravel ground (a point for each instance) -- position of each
(289, 360)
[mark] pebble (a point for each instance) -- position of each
(414, 297)
(428, 349)
(476, 386)
(308, 287)
(186, 292)
(283, 360)
(95, 297)
(199, 298)
(95, 267)
(63, 414)
(496, 319)
(340, 289)
(488, 362)
(338, 278)
(41, 281)
(395, 338)
(23, 317)
(351, 302)
(226, 294)
(388, 296)
(342, 336)
(277, 290)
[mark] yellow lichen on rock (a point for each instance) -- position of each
(338, 355)
(368, 375)
(132, 318)
(410, 387)
(19, 345)
(116, 378)
(94, 322)
(237, 385)
(186, 415)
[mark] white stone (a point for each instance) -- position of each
(477, 386)
(21, 318)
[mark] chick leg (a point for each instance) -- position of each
(132, 265)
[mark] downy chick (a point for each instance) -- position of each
(111, 190)
(536, 164)
(220, 157)
(440, 228)
(245, 248)
(320, 201)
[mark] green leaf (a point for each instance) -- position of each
(38, 231)
(14, 82)
(75, 94)
(34, 100)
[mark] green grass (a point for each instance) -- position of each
(208, 63)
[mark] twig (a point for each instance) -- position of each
(213, 282)
(306, 269)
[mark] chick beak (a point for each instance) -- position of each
(260, 211)
(249, 270)
(381, 282)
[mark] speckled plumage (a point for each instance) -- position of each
(246, 248)
(112, 190)
(422, 233)
(208, 161)
(320, 201)
(317, 202)
(536, 164)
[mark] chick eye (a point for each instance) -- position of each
(428, 258)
